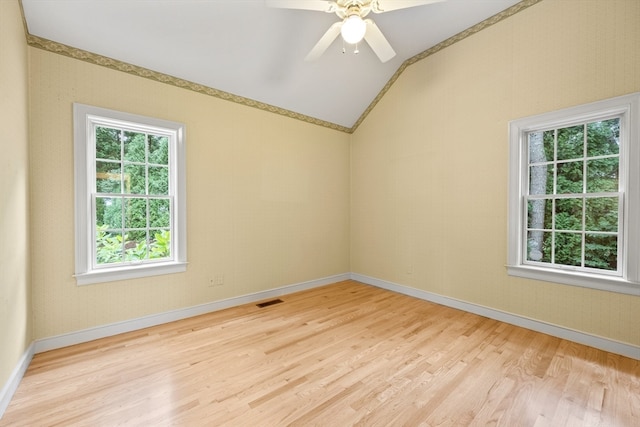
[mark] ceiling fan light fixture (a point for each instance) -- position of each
(353, 29)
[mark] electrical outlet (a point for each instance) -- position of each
(218, 280)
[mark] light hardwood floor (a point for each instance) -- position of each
(341, 355)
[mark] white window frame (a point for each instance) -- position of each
(85, 118)
(627, 281)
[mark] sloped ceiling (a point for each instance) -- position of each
(250, 53)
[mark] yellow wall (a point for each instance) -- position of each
(429, 164)
(15, 292)
(267, 197)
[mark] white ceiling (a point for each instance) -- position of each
(247, 49)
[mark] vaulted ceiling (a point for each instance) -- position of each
(245, 50)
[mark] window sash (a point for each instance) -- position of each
(583, 231)
(553, 195)
(99, 122)
(148, 229)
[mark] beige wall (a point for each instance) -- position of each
(429, 164)
(267, 197)
(15, 292)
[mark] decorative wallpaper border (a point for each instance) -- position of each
(92, 58)
(518, 7)
(114, 64)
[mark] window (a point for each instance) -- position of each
(574, 203)
(129, 195)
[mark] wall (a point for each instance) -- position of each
(267, 198)
(15, 292)
(429, 164)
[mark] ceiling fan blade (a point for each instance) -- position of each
(379, 6)
(320, 5)
(324, 42)
(378, 42)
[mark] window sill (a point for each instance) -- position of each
(130, 272)
(584, 280)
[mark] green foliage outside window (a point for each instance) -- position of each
(132, 203)
(110, 247)
(581, 223)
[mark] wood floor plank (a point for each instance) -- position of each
(346, 354)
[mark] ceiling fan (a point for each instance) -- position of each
(353, 27)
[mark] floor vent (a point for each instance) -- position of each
(268, 303)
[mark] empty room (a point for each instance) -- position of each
(320, 213)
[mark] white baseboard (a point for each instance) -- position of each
(601, 343)
(90, 334)
(103, 331)
(10, 387)
(97, 332)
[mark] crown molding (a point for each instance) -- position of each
(103, 61)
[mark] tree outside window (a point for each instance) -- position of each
(572, 206)
(133, 209)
